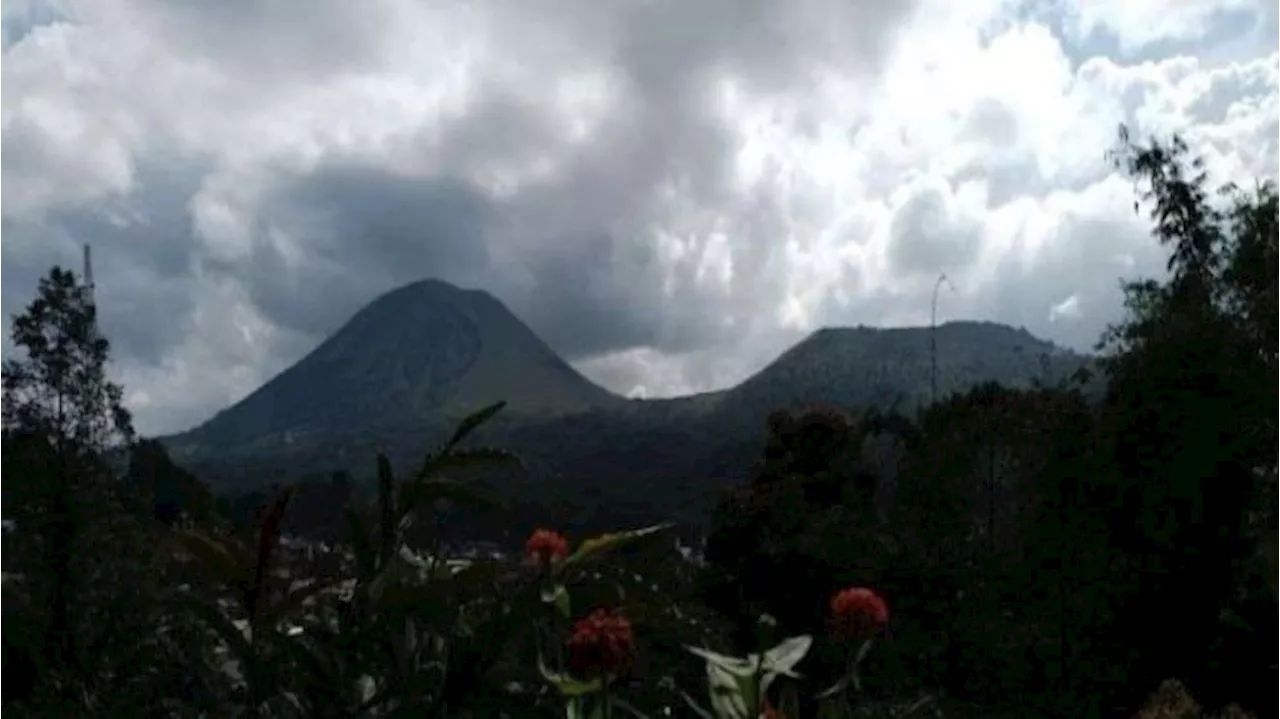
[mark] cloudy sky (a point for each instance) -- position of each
(669, 192)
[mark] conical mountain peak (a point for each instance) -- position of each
(423, 351)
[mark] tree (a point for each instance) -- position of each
(59, 389)
(1191, 416)
(60, 416)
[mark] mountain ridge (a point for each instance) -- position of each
(355, 395)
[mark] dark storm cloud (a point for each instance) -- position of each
(585, 238)
(575, 252)
(928, 234)
(348, 148)
(23, 266)
(359, 231)
(143, 250)
(585, 302)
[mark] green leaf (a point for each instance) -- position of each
(729, 692)
(605, 543)
(472, 422)
(837, 688)
(567, 685)
(269, 530)
(219, 560)
(693, 704)
(783, 658)
(736, 666)
(862, 652)
(559, 596)
(472, 458)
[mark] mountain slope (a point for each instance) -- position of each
(420, 353)
(871, 367)
(397, 376)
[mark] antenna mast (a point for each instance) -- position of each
(933, 337)
(88, 273)
(87, 278)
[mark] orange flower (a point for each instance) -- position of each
(858, 612)
(545, 546)
(767, 711)
(601, 644)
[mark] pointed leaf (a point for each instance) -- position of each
(268, 539)
(559, 596)
(269, 530)
(472, 422)
(219, 560)
(567, 685)
(729, 692)
(693, 704)
(837, 688)
(469, 458)
(783, 658)
(862, 652)
(736, 666)
(605, 543)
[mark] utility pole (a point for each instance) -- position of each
(933, 337)
(87, 278)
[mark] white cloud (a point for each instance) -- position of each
(1138, 23)
(671, 208)
(1068, 309)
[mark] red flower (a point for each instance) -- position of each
(767, 711)
(601, 644)
(544, 546)
(858, 612)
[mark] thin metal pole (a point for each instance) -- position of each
(933, 337)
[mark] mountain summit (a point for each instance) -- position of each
(866, 366)
(398, 376)
(420, 352)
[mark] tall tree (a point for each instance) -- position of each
(58, 388)
(1191, 407)
(60, 415)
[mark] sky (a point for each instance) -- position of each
(670, 193)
